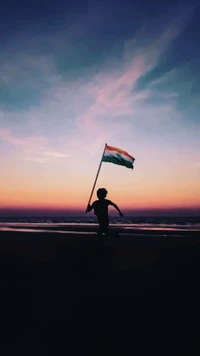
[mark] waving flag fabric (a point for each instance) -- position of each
(118, 156)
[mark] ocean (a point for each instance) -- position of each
(88, 223)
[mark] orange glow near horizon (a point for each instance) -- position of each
(136, 192)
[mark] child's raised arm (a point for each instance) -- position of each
(117, 208)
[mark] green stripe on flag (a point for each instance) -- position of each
(117, 160)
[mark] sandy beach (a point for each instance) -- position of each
(63, 293)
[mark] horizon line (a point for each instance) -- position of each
(38, 212)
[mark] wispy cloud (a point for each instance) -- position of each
(28, 141)
(33, 148)
(164, 78)
(56, 154)
(115, 93)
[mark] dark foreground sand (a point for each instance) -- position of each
(62, 294)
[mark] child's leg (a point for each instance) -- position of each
(106, 224)
(103, 226)
(100, 236)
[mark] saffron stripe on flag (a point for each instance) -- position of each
(110, 148)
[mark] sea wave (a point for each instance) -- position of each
(190, 224)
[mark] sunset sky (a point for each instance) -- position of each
(75, 75)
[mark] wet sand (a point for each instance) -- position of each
(66, 294)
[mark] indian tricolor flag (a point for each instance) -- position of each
(117, 156)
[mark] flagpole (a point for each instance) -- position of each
(96, 177)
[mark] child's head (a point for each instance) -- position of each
(101, 193)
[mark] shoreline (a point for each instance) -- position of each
(92, 228)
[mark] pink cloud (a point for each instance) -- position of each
(34, 148)
(5, 135)
(115, 93)
(111, 93)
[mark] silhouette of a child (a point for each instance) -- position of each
(100, 207)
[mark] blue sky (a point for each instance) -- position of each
(74, 75)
